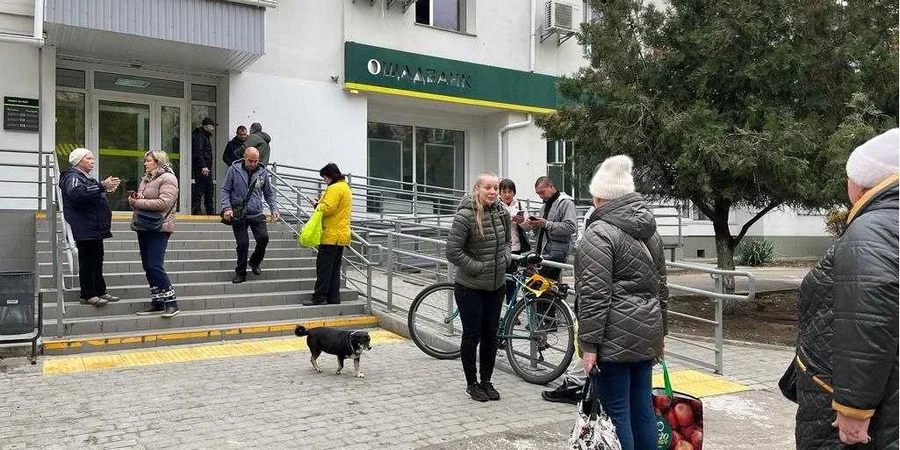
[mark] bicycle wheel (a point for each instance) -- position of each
(540, 339)
(434, 323)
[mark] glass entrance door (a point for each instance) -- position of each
(123, 136)
(126, 129)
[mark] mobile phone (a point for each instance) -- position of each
(520, 213)
(131, 193)
(533, 218)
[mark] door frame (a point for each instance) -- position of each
(155, 104)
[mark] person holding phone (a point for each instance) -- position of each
(86, 210)
(555, 224)
(157, 192)
(519, 228)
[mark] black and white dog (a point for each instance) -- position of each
(341, 343)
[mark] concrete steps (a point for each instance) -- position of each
(225, 263)
(200, 262)
(186, 277)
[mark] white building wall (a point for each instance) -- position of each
(311, 123)
(306, 105)
(21, 80)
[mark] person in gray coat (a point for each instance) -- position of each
(478, 246)
(846, 362)
(620, 284)
(555, 225)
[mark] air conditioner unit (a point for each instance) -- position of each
(559, 17)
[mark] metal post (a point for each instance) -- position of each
(720, 322)
(415, 201)
(50, 212)
(390, 272)
(369, 288)
(41, 120)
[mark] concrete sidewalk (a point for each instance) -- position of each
(407, 401)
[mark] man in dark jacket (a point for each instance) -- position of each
(246, 183)
(202, 154)
(555, 225)
(234, 146)
(260, 140)
(86, 209)
(865, 342)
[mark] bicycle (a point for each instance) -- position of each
(536, 328)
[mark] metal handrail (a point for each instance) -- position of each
(354, 236)
(50, 211)
(718, 296)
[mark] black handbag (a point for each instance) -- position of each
(237, 210)
(146, 220)
(788, 382)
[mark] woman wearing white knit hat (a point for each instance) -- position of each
(845, 369)
(86, 209)
(621, 284)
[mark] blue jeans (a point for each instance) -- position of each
(625, 395)
(153, 246)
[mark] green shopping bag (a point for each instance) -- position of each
(311, 234)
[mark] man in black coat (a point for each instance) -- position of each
(86, 210)
(201, 168)
(234, 146)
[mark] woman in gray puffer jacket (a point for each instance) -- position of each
(620, 279)
(478, 247)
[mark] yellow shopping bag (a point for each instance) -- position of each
(311, 234)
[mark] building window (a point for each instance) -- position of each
(561, 169)
(689, 211)
(447, 14)
(407, 162)
(69, 124)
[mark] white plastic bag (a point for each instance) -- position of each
(593, 429)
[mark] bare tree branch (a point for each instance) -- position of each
(746, 227)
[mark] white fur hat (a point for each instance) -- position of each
(77, 155)
(613, 179)
(876, 160)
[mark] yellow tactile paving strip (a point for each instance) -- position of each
(57, 344)
(699, 384)
(73, 364)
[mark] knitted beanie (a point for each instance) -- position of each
(876, 160)
(77, 155)
(613, 179)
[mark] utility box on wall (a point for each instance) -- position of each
(16, 303)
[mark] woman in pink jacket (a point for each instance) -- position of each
(157, 194)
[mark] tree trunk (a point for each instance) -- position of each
(724, 247)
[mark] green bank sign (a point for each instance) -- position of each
(377, 69)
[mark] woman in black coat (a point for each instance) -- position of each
(846, 362)
(86, 209)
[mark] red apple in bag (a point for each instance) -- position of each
(684, 414)
(663, 402)
(676, 438)
(697, 440)
(672, 419)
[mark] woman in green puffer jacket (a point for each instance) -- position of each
(478, 247)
